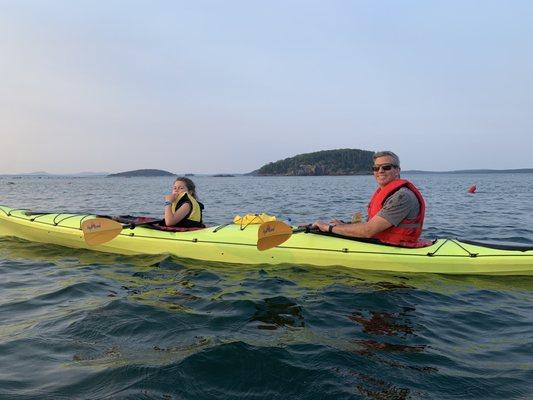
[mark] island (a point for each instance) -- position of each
(325, 162)
(141, 173)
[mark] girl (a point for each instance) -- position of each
(182, 208)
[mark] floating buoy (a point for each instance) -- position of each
(472, 189)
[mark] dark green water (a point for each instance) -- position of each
(80, 324)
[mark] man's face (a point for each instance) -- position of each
(386, 172)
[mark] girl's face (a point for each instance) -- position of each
(179, 187)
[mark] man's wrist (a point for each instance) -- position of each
(330, 228)
(168, 203)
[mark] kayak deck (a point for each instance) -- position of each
(237, 245)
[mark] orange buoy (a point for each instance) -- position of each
(472, 189)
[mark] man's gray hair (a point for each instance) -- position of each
(395, 158)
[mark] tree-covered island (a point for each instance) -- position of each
(141, 173)
(326, 162)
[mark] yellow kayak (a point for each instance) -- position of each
(237, 244)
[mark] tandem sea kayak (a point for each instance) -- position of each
(237, 244)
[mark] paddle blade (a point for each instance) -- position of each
(100, 230)
(271, 234)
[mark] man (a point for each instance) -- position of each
(395, 212)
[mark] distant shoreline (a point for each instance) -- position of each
(474, 171)
(408, 172)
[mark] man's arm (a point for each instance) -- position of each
(397, 207)
(363, 230)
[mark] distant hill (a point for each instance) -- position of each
(141, 173)
(326, 162)
(37, 173)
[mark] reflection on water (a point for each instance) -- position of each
(381, 323)
(278, 312)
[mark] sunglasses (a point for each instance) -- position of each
(384, 167)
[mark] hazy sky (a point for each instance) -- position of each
(226, 86)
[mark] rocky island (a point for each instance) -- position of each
(326, 162)
(141, 173)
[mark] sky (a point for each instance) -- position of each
(227, 86)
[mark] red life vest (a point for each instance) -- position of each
(406, 234)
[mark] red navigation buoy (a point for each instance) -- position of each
(472, 189)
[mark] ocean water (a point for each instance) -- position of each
(77, 324)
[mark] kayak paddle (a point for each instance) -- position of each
(103, 229)
(100, 230)
(273, 233)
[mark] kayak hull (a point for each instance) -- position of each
(231, 244)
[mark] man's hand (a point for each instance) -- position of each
(320, 225)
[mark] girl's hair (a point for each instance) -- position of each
(191, 187)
